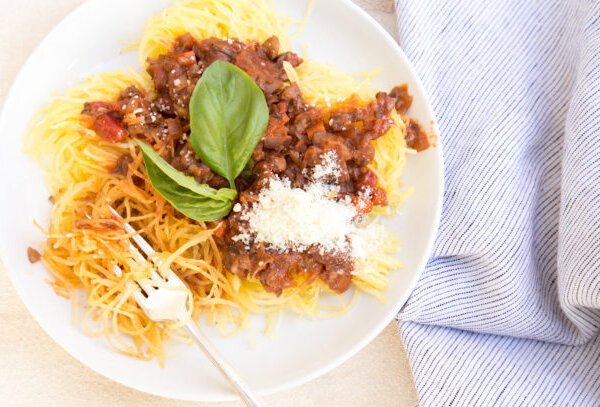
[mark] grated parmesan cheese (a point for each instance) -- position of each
(294, 219)
(287, 218)
(367, 244)
(366, 240)
(328, 169)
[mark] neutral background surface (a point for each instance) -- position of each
(35, 371)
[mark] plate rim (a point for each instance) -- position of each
(398, 304)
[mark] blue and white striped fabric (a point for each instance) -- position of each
(507, 312)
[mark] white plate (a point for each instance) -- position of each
(87, 41)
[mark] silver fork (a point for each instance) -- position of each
(166, 299)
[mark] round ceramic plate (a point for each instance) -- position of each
(87, 41)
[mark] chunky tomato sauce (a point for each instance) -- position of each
(296, 138)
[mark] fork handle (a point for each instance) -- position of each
(239, 384)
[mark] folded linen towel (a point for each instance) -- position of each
(507, 312)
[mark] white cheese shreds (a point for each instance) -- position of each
(328, 169)
(293, 219)
(368, 244)
(287, 218)
(366, 240)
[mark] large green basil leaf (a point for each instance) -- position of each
(194, 200)
(228, 116)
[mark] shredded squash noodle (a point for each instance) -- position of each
(85, 246)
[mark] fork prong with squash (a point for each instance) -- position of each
(165, 298)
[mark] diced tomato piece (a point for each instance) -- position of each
(110, 128)
(379, 197)
(363, 205)
(185, 58)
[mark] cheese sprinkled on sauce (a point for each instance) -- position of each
(287, 219)
(328, 169)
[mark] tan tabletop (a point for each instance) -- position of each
(35, 371)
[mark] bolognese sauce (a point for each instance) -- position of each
(296, 139)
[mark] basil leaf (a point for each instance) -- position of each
(228, 116)
(194, 200)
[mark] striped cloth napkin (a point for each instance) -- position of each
(507, 312)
